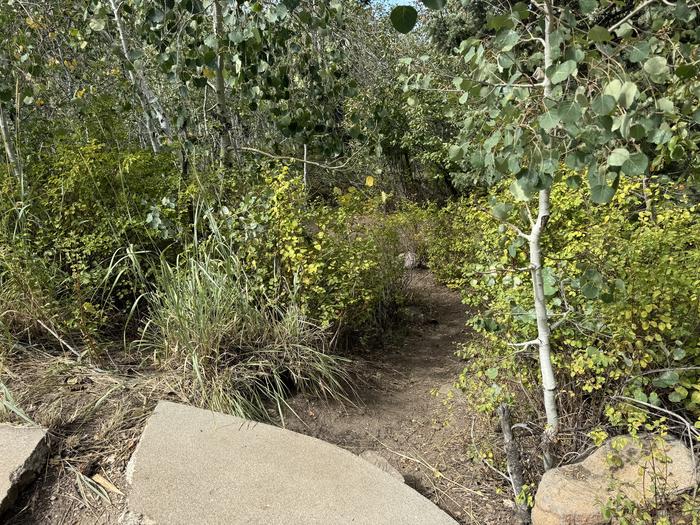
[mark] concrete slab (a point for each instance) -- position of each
(381, 463)
(22, 454)
(197, 466)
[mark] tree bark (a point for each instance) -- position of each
(11, 153)
(221, 106)
(514, 463)
(549, 384)
(149, 100)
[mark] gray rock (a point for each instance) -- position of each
(410, 260)
(576, 493)
(22, 454)
(381, 463)
(198, 466)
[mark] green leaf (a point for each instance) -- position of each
(403, 18)
(678, 353)
(588, 6)
(654, 399)
(636, 164)
(501, 210)
(618, 157)
(603, 105)
(506, 39)
(211, 41)
(601, 192)
(666, 105)
(434, 4)
(97, 24)
(592, 283)
(455, 153)
(628, 92)
(624, 30)
(492, 373)
(638, 132)
(563, 71)
(599, 34)
(549, 281)
(570, 112)
(667, 379)
(639, 52)
(614, 88)
(549, 120)
(675, 397)
(657, 69)
(686, 71)
(500, 22)
(521, 190)
(156, 16)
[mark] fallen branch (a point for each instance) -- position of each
(514, 464)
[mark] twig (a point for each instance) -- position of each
(58, 338)
(295, 159)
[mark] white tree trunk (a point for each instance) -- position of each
(11, 153)
(221, 107)
(149, 100)
(549, 384)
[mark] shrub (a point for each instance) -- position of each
(339, 260)
(620, 280)
(86, 203)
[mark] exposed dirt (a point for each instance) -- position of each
(409, 412)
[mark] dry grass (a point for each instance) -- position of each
(94, 413)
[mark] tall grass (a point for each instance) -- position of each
(237, 348)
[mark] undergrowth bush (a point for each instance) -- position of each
(622, 285)
(86, 203)
(238, 280)
(339, 260)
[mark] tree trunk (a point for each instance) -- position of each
(549, 384)
(149, 100)
(515, 465)
(221, 107)
(11, 153)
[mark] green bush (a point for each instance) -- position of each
(86, 203)
(623, 281)
(340, 260)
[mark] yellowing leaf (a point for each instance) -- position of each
(106, 484)
(369, 181)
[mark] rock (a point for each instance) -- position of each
(380, 462)
(575, 494)
(198, 466)
(22, 454)
(410, 260)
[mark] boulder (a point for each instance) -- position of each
(575, 494)
(22, 454)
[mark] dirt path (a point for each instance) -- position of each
(410, 414)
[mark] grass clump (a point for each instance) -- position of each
(236, 348)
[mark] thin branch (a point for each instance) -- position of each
(517, 230)
(631, 14)
(295, 159)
